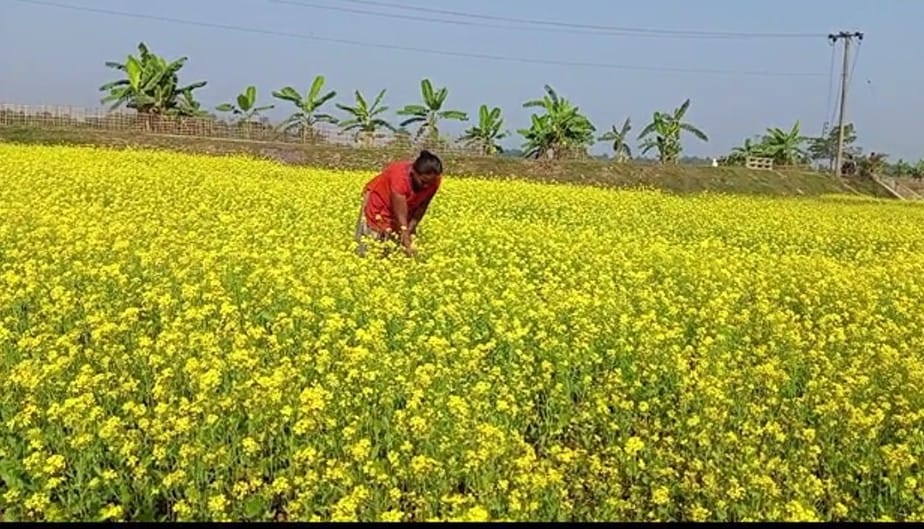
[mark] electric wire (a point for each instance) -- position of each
(599, 27)
(431, 51)
(534, 25)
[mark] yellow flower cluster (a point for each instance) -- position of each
(194, 338)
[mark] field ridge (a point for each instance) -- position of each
(675, 179)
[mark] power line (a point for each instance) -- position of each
(579, 29)
(365, 44)
(829, 109)
(431, 19)
(847, 37)
(853, 66)
(851, 70)
(598, 27)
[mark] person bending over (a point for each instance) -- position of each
(396, 200)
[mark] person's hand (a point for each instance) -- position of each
(407, 243)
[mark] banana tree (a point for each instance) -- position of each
(741, 153)
(785, 147)
(663, 134)
(538, 138)
(188, 106)
(487, 133)
(621, 149)
(901, 169)
(151, 85)
(430, 112)
(365, 118)
(246, 106)
(307, 115)
(561, 130)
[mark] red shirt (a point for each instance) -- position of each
(395, 178)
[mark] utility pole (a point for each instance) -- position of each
(847, 37)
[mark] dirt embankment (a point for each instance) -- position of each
(678, 179)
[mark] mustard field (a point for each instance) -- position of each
(194, 338)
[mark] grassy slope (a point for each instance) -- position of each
(679, 179)
(915, 185)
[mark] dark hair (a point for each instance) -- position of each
(428, 163)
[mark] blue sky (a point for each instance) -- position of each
(56, 56)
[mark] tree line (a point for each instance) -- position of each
(558, 129)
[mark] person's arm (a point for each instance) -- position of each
(399, 207)
(418, 216)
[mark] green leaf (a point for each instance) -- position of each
(292, 121)
(115, 96)
(315, 88)
(648, 129)
(413, 110)
(11, 478)
(483, 115)
(133, 71)
(113, 84)
(192, 86)
(426, 90)
(255, 508)
(225, 107)
(360, 100)
(454, 114)
(378, 99)
(346, 108)
(243, 103)
(626, 127)
(325, 98)
(439, 98)
(694, 131)
(350, 124)
(551, 93)
(409, 121)
(289, 94)
(384, 124)
(682, 110)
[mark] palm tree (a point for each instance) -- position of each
(365, 120)
(784, 146)
(307, 115)
(486, 135)
(430, 112)
(621, 149)
(561, 130)
(151, 85)
(667, 128)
